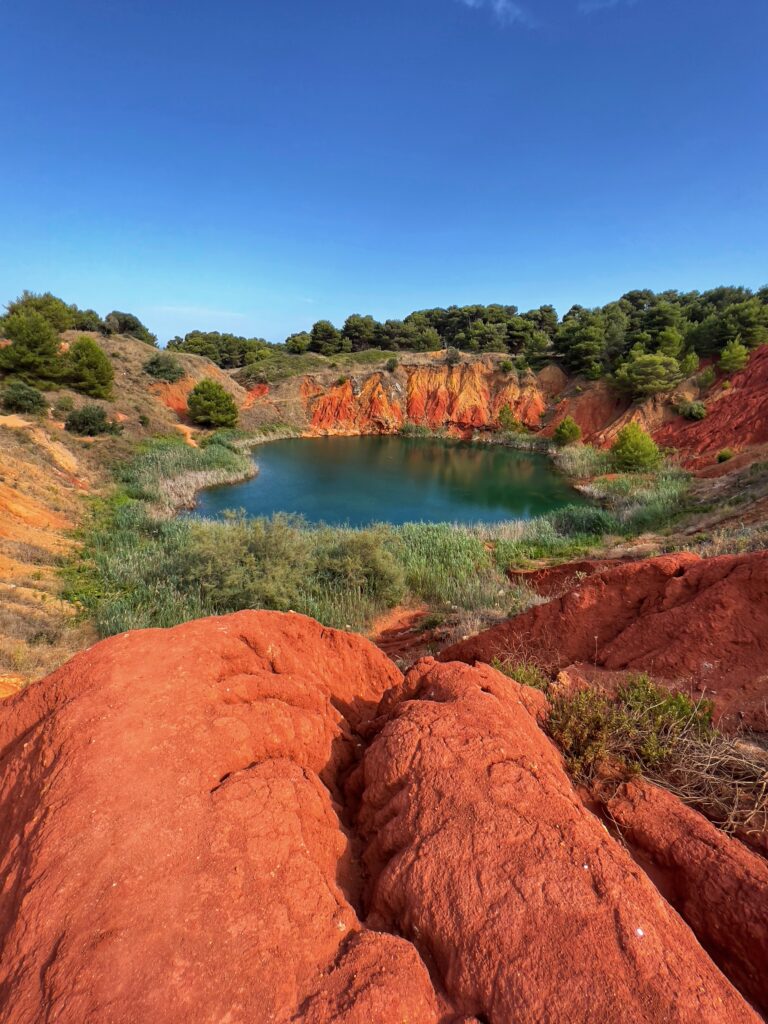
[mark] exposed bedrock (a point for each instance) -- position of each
(255, 819)
(700, 623)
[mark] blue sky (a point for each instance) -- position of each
(254, 166)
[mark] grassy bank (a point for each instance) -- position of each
(138, 567)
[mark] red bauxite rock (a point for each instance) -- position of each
(253, 819)
(480, 851)
(681, 618)
(715, 882)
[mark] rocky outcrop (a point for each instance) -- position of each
(737, 417)
(698, 623)
(716, 884)
(254, 818)
(465, 397)
(371, 409)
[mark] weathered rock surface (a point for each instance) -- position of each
(736, 418)
(254, 819)
(692, 621)
(717, 885)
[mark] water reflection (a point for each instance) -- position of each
(364, 479)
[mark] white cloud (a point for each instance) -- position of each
(507, 11)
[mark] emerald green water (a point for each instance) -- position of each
(360, 480)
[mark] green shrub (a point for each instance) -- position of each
(391, 365)
(567, 431)
(90, 420)
(211, 405)
(508, 421)
(707, 378)
(506, 366)
(341, 381)
(525, 672)
(20, 397)
(88, 369)
(34, 354)
(634, 450)
(126, 323)
(452, 356)
(734, 357)
(725, 454)
(54, 310)
(691, 410)
(164, 367)
(638, 731)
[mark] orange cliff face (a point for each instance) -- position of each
(468, 396)
(341, 410)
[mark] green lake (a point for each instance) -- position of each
(360, 480)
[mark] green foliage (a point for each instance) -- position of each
(525, 672)
(640, 731)
(391, 365)
(707, 378)
(508, 421)
(452, 356)
(17, 396)
(691, 410)
(226, 350)
(689, 364)
(126, 323)
(327, 340)
(299, 343)
(634, 450)
(90, 420)
(34, 354)
(725, 454)
(88, 369)
(734, 357)
(54, 311)
(164, 367)
(506, 366)
(211, 405)
(567, 431)
(645, 374)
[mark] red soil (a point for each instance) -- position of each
(689, 621)
(736, 418)
(254, 818)
(716, 884)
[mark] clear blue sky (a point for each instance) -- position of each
(255, 165)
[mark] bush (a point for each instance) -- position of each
(691, 410)
(126, 323)
(707, 378)
(506, 366)
(645, 374)
(20, 397)
(90, 420)
(34, 354)
(634, 450)
(639, 731)
(341, 381)
(452, 356)
(734, 357)
(725, 454)
(508, 421)
(211, 405)
(567, 431)
(88, 369)
(55, 311)
(525, 672)
(164, 367)
(391, 365)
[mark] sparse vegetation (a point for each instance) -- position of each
(725, 454)
(691, 410)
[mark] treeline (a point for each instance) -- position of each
(63, 316)
(226, 350)
(644, 342)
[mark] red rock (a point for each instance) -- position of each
(555, 580)
(681, 618)
(480, 852)
(171, 849)
(736, 418)
(717, 885)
